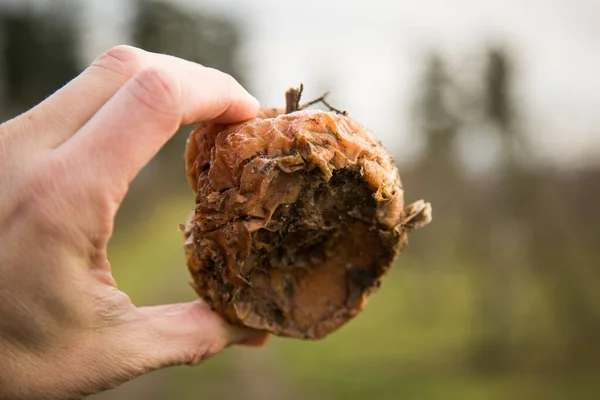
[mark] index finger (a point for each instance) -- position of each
(69, 108)
(127, 132)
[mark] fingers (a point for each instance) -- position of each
(144, 114)
(189, 333)
(59, 116)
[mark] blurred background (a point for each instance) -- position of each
(491, 110)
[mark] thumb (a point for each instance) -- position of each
(187, 334)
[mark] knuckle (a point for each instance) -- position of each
(158, 91)
(42, 183)
(228, 87)
(202, 352)
(62, 203)
(51, 184)
(5, 147)
(53, 199)
(39, 183)
(123, 60)
(36, 202)
(223, 75)
(112, 308)
(228, 81)
(13, 142)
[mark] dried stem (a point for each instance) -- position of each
(292, 97)
(332, 108)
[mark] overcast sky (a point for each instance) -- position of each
(369, 53)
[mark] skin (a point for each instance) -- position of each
(66, 331)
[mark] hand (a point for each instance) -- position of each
(66, 331)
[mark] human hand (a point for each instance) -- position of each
(66, 331)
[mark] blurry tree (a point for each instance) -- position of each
(567, 259)
(39, 54)
(208, 39)
(505, 243)
(439, 121)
